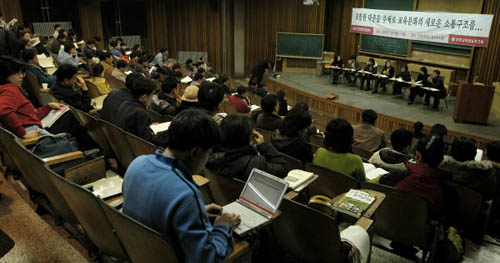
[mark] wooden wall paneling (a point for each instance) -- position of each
(91, 20)
(11, 9)
(486, 60)
(263, 19)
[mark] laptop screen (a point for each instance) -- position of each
(264, 191)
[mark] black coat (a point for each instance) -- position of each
(296, 147)
(111, 104)
(73, 96)
(239, 162)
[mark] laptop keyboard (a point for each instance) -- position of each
(249, 218)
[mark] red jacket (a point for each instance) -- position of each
(240, 104)
(424, 181)
(17, 112)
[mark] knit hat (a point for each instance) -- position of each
(190, 94)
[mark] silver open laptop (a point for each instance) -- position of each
(258, 202)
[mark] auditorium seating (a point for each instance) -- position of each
(330, 183)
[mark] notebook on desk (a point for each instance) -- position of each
(258, 202)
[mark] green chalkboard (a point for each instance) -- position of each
(387, 45)
(442, 48)
(299, 45)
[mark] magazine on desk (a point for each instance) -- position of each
(372, 172)
(53, 116)
(354, 203)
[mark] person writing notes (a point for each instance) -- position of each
(398, 85)
(421, 82)
(438, 91)
(371, 67)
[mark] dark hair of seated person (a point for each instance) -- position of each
(198, 76)
(295, 121)
(121, 64)
(463, 149)
(493, 151)
(222, 79)
(8, 67)
(29, 54)
(417, 129)
(369, 116)
(236, 131)
(439, 130)
(242, 90)
(135, 54)
(65, 71)
(268, 103)
(96, 69)
(176, 66)
(177, 74)
(431, 150)
(142, 86)
(280, 95)
(91, 41)
(68, 46)
(192, 128)
(302, 105)
(103, 55)
(143, 59)
(168, 84)
(400, 139)
(339, 136)
(129, 81)
(210, 96)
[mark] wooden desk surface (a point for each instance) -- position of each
(240, 248)
(379, 199)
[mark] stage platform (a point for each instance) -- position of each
(385, 104)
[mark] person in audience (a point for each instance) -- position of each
(437, 83)
(116, 49)
(240, 100)
(353, 67)
(417, 130)
(71, 88)
(335, 155)
(57, 27)
(189, 99)
(90, 49)
(138, 49)
(178, 76)
(405, 75)
(56, 45)
(72, 35)
(394, 158)
(267, 120)
(258, 72)
(132, 115)
(370, 67)
(68, 55)
(119, 71)
(32, 66)
(123, 48)
(119, 41)
(222, 81)
(245, 149)
(197, 79)
(97, 78)
(257, 89)
(416, 90)
(312, 130)
(142, 66)
(477, 175)
(17, 113)
(290, 138)
(133, 60)
(160, 60)
(115, 98)
(159, 191)
(424, 177)
(366, 135)
(167, 100)
(282, 103)
(106, 61)
(388, 71)
(337, 62)
(210, 97)
(493, 154)
(188, 65)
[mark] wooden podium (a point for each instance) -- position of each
(473, 103)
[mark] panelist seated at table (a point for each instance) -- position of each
(371, 67)
(404, 75)
(338, 64)
(439, 91)
(421, 82)
(352, 70)
(388, 72)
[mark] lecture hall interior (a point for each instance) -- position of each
(250, 131)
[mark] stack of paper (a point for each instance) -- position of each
(98, 102)
(297, 178)
(254, 107)
(45, 62)
(479, 155)
(211, 79)
(160, 127)
(106, 187)
(373, 172)
(53, 116)
(186, 80)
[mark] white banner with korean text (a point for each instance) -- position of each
(451, 28)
